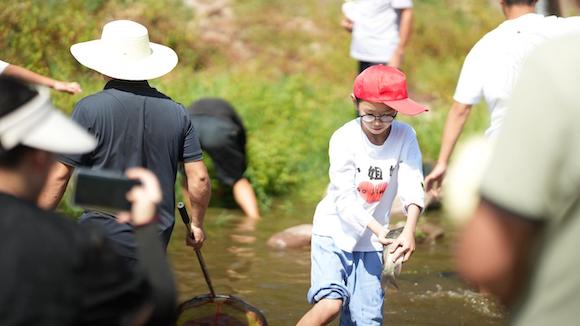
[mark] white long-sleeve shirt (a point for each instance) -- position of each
(364, 180)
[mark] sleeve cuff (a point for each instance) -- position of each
(405, 206)
(68, 161)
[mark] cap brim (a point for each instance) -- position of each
(92, 54)
(406, 106)
(58, 134)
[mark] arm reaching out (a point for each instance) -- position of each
(26, 75)
(456, 119)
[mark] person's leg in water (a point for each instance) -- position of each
(322, 313)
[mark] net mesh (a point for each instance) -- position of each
(221, 310)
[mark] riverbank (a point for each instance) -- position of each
(284, 65)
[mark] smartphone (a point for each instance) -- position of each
(102, 190)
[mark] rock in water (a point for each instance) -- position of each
(294, 237)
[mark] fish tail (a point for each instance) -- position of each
(388, 281)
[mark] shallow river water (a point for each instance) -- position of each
(240, 263)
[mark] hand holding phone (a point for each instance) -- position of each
(102, 190)
(145, 198)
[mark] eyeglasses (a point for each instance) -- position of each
(368, 118)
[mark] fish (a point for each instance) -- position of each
(391, 270)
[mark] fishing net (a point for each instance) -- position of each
(221, 310)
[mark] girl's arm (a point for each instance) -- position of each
(411, 193)
(404, 245)
(32, 77)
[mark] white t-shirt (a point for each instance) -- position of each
(364, 179)
(493, 64)
(3, 65)
(375, 33)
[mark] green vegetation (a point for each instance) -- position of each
(283, 64)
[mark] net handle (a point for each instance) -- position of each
(186, 221)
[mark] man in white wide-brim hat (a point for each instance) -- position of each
(136, 125)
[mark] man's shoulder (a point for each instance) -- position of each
(99, 99)
(489, 40)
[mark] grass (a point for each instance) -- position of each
(283, 64)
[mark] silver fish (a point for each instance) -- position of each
(391, 269)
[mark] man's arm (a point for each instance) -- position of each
(405, 28)
(493, 251)
(346, 24)
(198, 193)
(34, 78)
(55, 186)
(456, 119)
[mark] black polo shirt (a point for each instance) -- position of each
(136, 125)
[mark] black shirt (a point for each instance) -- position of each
(56, 272)
(219, 108)
(222, 135)
(136, 125)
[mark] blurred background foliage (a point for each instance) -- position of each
(283, 64)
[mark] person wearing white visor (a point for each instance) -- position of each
(135, 125)
(39, 125)
(55, 271)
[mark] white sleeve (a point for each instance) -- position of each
(568, 25)
(470, 85)
(402, 4)
(410, 175)
(342, 180)
(3, 65)
(351, 11)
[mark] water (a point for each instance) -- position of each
(241, 264)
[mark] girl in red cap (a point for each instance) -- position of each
(373, 158)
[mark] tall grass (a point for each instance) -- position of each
(286, 69)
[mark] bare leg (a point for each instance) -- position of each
(322, 313)
(246, 198)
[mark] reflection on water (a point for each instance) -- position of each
(276, 282)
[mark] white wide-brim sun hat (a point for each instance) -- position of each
(124, 52)
(39, 125)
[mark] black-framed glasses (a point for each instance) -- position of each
(368, 118)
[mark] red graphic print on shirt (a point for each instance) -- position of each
(371, 193)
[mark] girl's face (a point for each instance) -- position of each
(376, 118)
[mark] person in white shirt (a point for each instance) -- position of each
(380, 30)
(28, 76)
(372, 158)
(491, 69)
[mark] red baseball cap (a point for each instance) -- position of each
(388, 85)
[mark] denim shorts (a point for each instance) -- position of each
(353, 278)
